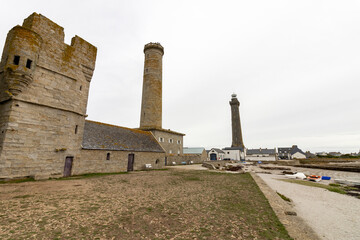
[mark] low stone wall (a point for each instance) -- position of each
(187, 158)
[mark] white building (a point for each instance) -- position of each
(233, 153)
(216, 154)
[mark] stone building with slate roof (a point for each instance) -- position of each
(261, 154)
(44, 86)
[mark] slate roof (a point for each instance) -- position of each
(260, 151)
(295, 150)
(162, 130)
(234, 148)
(217, 150)
(198, 150)
(283, 149)
(102, 136)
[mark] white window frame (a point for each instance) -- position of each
(161, 139)
(171, 140)
(178, 141)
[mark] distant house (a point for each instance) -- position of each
(216, 154)
(335, 154)
(261, 154)
(284, 153)
(321, 153)
(297, 153)
(293, 152)
(199, 154)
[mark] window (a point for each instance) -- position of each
(16, 60)
(178, 141)
(170, 151)
(170, 140)
(80, 87)
(108, 156)
(157, 161)
(161, 139)
(178, 151)
(76, 129)
(28, 63)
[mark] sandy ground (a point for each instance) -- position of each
(333, 216)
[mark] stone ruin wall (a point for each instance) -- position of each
(42, 107)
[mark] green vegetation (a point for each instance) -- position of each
(21, 180)
(283, 197)
(23, 196)
(337, 189)
(90, 175)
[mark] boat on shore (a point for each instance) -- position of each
(314, 178)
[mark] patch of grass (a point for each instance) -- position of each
(337, 189)
(159, 169)
(23, 196)
(90, 175)
(334, 185)
(284, 197)
(21, 180)
(191, 178)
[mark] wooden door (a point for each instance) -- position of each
(68, 166)
(131, 159)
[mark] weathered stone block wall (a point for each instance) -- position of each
(151, 105)
(45, 102)
(94, 161)
(175, 147)
(37, 140)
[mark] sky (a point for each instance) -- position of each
(294, 65)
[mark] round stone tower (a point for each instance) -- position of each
(151, 105)
(237, 140)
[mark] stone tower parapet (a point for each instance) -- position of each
(237, 140)
(44, 86)
(151, 105)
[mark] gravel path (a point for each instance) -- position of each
(333, 216)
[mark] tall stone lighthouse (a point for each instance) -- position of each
(151, 105)
(237, 140)
(237, 150)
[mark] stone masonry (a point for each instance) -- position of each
(151, 105)
(237, 140)
(44, 85)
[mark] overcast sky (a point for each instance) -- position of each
(295, 66)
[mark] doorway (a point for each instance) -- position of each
(213, 157)
(68, 166)
(131, 159)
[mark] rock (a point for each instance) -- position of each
(291, 213)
